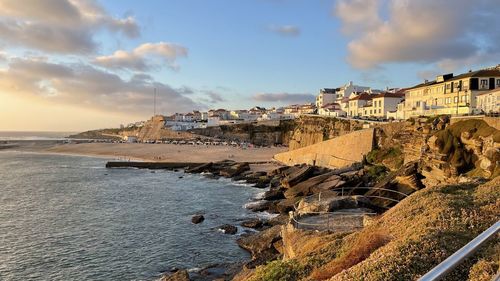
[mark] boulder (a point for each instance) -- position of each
(181, 275)
(234, 170)
(274, 194)
(306, 187)
(199, 169)
(196, 219)
(260, 242)
(286, 205)
(253, 223)
(228, 229)
(297, 176)
(259, 206)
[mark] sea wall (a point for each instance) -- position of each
(337, 152)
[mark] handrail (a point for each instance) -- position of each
(459, 256)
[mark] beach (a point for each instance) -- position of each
(169, 152)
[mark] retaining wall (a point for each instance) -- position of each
(338, 152)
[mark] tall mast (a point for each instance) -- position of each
(154, 103)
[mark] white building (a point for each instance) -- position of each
(331, 109)
(489, 102)
(385, 102)
(325, 97)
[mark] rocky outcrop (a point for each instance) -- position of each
(228, 229)
(262, 245)
(181, 275)
(196, 219)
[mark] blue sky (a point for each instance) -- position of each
(104, 57)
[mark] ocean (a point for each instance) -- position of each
(69, 218)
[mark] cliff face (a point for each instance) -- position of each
(311, 130)
(269, 134)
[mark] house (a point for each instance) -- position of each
(450, 94)
(309, 108)
(326, 96)
(357, 103)
(489, 102)
(385, 102)
(332, 109)
(189, 117)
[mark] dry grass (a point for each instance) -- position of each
(365, 245)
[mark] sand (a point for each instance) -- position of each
(168, 152)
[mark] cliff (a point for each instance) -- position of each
(402, 244)
(153, 129)
(262, 133)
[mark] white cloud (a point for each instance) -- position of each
(58, 26)
(141, 57)
(424, 31)
(285, 30)
(84, 85)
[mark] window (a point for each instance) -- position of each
(455, 99)
(498, 83)
(380, 111)
(463, 98)
(447, 101)
(448, 86)
(379, 103)
(484, 83)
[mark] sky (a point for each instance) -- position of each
(73, 65)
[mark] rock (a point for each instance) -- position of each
(235, 170)
(260, 242)
(181, 275)
(196, 219)
(275, 194)
(307, 187)
(199, 169)
(277, 171)
(252, 223)
(228, 229)
(286, 205)
(259, 206)
(263, 182)
(333, 203)
(298, 176)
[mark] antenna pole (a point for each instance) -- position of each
(154, 103)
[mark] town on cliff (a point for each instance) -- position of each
(362, 185)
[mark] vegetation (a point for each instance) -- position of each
(280, 271)
(449, 142)
(404, 243)
(391, 157)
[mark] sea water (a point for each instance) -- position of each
(70, 218)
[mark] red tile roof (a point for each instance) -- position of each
(363, 96)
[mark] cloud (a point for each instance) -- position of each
(358, 15)
(424, 31)
(285, 30)
(59, 26)
(283, 97)
(141, 57)
(215, 97)
(89, 87)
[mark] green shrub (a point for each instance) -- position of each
(280, 271)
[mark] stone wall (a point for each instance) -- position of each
(337, 152)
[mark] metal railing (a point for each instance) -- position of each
(459, 256)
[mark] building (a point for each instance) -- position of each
(450, 94)
(385, 102)
(356, 105)
(309, 108)
(489, 102)
(332, 109)
(326, 96)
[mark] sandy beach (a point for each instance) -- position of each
(169, 152)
